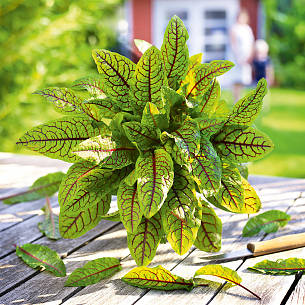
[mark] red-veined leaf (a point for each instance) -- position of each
(143, 243)
(155, 178)
(36, 255)
(93, 272)
(156, 278)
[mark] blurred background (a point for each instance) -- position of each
(48, 43)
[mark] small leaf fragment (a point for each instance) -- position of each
(45, 186)
(36, 255)
(281, 266)
(50, 226)
(268, 222)
(224, 273)
(156, 278)
(93, 272)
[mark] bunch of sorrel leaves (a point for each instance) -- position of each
(157, 135)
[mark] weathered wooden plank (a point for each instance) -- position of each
(272, 289)
(17, 213)
(298, 295)
(14, 271)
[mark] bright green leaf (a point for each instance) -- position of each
(155, 178)
(36, 255)
(242, 144)
(206, 169)
(178, 212)
(93, 84)
(83, 213)
(156, 278)
(143, 243)
(130, 208)
(252, 203)
(106, 152)
(247, 109)
(55, 139)
(224, 273)
(231, 194)
(143, 136)
(174, 51)
(268, 222)
(154, 118)
(205, 73)
(114, 216)
(116, 72)
(104, 107)
(148, 79)
(187, 142)
(209, 126)
(209, 234)
(281, 266)
(93, 272)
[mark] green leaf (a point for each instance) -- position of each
(118, 133)
(142, 45)
(93, 84)
(268, 222)
(45, 186)
(35, 255)
(247, 109)
(132, 178)
(221, 109)
(114, 216)
(131, 210)
(116, 72)
(174, 51)
(156, 278)
(143, 243)
(252, 203)
(104, 107)
(242, 144)
(206, 169)
(187, 142)
(143, 136)
(205, 73)
(209, 100)
(64, 100)
(155, 177)
(106, 152)
(224, 273)
(281, 266)
(50, 226)
(178, 212)
(231, 193)
(209, 126)
(153, 118)
(148, 79)
(189, 79)
(209, 234)
(83, 213)
(55, 139)
(81, 175)
(93, 272)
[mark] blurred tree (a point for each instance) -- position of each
(286, 37)
(46, 43)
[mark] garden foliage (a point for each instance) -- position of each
(157, 135)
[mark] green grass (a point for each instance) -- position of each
(283, 119)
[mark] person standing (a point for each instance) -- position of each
(242, 42)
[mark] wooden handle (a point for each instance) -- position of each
(278, 244)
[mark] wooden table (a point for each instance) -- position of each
(20, 284)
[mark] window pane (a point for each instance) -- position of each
(215, 14)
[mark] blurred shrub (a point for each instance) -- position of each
(46, 43)
(286, 37)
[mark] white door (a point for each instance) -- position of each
(207, 21)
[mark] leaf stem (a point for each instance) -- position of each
(249, 291)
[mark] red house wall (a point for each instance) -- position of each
(142, 18)
(141, 21)
(252, 7)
